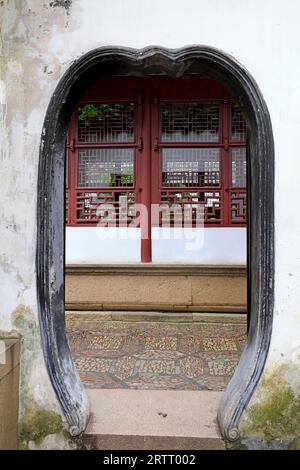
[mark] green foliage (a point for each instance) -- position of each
(101, 111)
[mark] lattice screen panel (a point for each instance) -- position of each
(111, 123)
(238, 124)
(182, 167)
(238, 167)
(238, 206)
(112, 167)
(196, 149)
(205, 206)
(190, 122)
(117, 207)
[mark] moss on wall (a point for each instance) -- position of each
(25, 323)
(38, 425)
(277, 414)
(35, 423)
(35, 426)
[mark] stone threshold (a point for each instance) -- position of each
(165, 308)
(153, 419)
(141, 316)
(156, 269)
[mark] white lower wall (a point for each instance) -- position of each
(204, 246)
(175, 245)
(102, 245)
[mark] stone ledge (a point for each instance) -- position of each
(122, 306)
(152, 269)
(140, 316)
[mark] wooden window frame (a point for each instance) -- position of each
(148, 94)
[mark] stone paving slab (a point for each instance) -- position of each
(155, 355)
(153, 420)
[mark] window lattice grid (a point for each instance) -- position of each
(190, 167)
(190, 122)
(110, 123)
(105, 167)
(111, 207)
(238, 167)
(238, 206)
(178, 208)
(238, 124)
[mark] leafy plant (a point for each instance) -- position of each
(102, 111)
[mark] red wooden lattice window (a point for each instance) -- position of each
(157, 140)
(102, 153)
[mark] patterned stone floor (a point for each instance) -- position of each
(155, 355)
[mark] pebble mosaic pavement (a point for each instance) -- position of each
(155, 355)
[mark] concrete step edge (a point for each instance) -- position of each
(156, 316)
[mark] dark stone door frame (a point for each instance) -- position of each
(105, 62)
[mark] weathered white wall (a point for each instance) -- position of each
(39, 42)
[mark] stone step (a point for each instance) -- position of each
(153, 420)
(156, 316)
